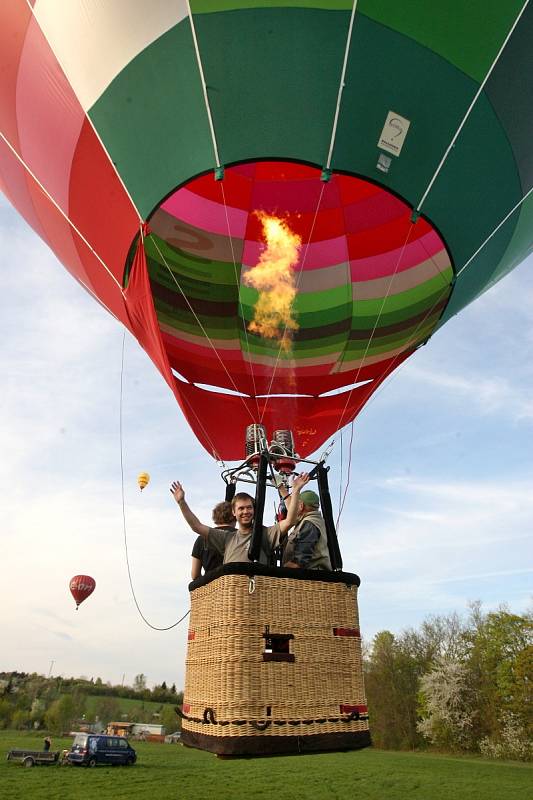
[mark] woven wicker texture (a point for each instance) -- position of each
(231, 618)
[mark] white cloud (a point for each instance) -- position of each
(429, 545)
(487, 395)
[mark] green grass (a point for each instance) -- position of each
(126, 704)
(172, 772)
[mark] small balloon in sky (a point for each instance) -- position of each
(81, 586)
(143, 479)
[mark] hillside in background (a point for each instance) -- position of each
(32, 701)
(459, 685)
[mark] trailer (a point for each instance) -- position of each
(31, 758)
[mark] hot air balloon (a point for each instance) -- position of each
(143, 479)
(162, 156)
(427, 165)
(81, 586)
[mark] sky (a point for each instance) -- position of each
(439, 508)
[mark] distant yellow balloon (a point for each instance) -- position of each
(143, 480)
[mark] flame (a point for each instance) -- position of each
(274, 278)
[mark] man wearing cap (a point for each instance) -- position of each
(307, 544)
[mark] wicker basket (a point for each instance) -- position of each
(274, 663)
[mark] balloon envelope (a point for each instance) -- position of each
(105, 125)
(81, 586)
(143, 479)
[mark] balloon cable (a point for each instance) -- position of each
(496, 229)
(204, 84)
(248, 359)
(372, 398)
(204, 331)
(383, 302)
(298, 278)
(341, 468)
(480, 89)
(65, 216)
(37, 19)
(348, 476)
(341, 85)
(154, 627)
(390, 378)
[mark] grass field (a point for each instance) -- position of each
(126, 704)
(172, 772)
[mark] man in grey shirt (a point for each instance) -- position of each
(234, 546)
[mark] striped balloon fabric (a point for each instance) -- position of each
(147, 144)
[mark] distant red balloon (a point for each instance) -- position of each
(81, 586)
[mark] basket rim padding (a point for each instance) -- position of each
(251, 569)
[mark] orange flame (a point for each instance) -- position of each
(274, 278)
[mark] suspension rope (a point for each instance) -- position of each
(218, 165)
(378, 391)
(391, 377)
(65, 216)
(87, 117)
(471, 106)
(496, 229)
(198, 321)
(411, 341)
(299, 274)
(424, 197)
(185, 398)
(328, 165)
(348, 477)
(341, 85)
(154, 627)
(380, 312)
(341, 467)
(438, 270)
(204, 86)
(214, 451)
(247, 360)
(405, 348)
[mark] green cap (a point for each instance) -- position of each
(309, 498)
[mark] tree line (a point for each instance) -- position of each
(456, 684)
(32, 701)
(461, 685)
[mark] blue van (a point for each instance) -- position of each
(91, 749)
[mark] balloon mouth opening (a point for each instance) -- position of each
(367, 283)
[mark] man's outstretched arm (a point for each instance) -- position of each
(292, 509)
(176, 490)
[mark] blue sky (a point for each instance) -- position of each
(439, 509)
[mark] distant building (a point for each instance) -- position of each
(144, 730)
(120, 728)
(147, 729)
(84, 726)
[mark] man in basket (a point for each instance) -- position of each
(306, 546)
(234, 546)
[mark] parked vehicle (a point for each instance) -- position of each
(91, 749)
(29, 758)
